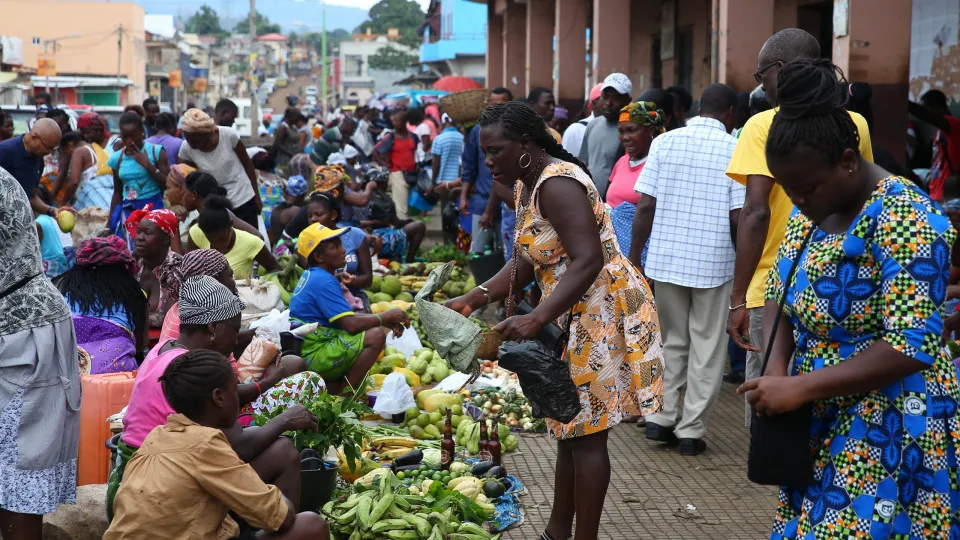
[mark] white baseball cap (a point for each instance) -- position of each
(619, 82)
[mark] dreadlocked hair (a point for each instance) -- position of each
(521, 123)
(812, 95)
(191, 378)
(105, 289)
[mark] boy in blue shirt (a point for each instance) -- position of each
(345, 345)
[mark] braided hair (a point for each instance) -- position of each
(105, 289)
(215, 215)
(192, 377)
(521, 123)
(812, 95)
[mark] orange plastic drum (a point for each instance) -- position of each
(103, 395)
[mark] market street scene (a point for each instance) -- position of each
(479, 269)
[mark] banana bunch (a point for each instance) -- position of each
(413, 283)
(384, 514)
(392, 447)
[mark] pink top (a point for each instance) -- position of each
(623, 178)
(171, 324)
(148, 406)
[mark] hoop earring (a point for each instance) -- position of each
(529, 160)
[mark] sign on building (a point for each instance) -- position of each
(176, 78)
(46, 65)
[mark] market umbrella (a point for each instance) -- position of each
(456, 83)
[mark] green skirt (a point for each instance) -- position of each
(331, 352)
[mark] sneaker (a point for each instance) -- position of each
(692, 447)
(656, 432)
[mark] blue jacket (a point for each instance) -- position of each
(475, 172)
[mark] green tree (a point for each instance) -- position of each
(264, 26)
(404, 15)
(205, 22)
(315, 39)
(390, 57)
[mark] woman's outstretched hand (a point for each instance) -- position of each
(769, 395)
(519, 327)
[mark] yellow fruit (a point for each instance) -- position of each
(66, 220)
(412, 378)
(378, 380)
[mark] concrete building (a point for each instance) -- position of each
(163, 57)
(454, 40)
(274, 52)
(572, 44)
(89, 37)
(358, 83)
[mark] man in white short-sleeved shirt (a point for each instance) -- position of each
(689, 212)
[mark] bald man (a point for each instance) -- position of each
(767, 207)
(22, 157)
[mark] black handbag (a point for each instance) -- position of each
(780, 453)
(424, 186)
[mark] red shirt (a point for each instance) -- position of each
(403, 154)
(946, 157)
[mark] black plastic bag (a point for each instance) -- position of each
(450, 218)
(545, 379)
(424, 187)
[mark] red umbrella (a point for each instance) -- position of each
(456, 83)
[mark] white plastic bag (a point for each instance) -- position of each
(395, 396)
(277, 321)
(260, 296)
(407, 343)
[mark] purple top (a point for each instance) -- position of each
(170, 144)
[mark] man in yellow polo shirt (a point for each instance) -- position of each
(766, 208)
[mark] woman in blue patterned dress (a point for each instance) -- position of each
(862, 322)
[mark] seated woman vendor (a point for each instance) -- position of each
(187, 476)
(109, 308)
(215, 230)
(210, 319)
(344, 345)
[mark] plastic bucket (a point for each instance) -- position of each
(318, 480)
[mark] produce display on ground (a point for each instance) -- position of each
(394, 481)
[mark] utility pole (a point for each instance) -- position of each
(323, 65)
(254, 98)
(119, 57)
(46, 54)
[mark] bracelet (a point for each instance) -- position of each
(734, 308)
(259, 391)
(486, 292)
(379, 318)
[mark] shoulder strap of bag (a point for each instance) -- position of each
(783, 298)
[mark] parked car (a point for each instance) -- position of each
(310, 91)
(23, 116)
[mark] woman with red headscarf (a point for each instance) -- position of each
(108, 307)
(157, 240)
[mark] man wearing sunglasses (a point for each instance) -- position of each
(766, 207)
(22, 157)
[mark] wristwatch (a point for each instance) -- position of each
(52, 211)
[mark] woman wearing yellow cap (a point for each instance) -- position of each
(345, 345)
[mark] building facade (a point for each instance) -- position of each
(359, 83)
(86, 39)
(456, 44)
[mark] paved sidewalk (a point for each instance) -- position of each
(651, 486)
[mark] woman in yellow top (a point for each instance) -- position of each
(214, 230)
(565, 240)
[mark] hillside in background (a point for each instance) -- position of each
(283, 12)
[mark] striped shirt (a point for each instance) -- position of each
(448, 146)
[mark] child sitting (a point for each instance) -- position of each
(345, 345)
(186, 477)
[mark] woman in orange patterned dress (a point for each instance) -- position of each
(566, 242)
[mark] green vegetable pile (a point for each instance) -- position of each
(468, 434)
(384, 509)
(446, 253)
